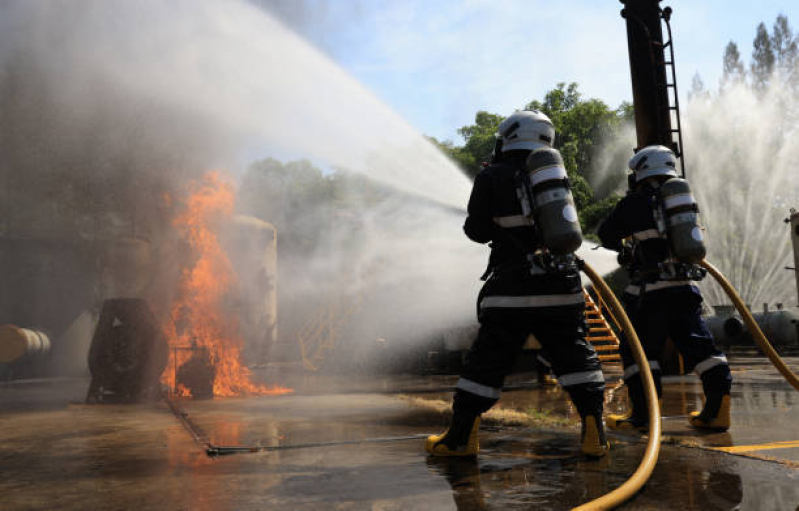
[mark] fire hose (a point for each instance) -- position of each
(761, 340)
(650, 458)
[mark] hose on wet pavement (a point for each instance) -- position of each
(750, 322)
(650, 458)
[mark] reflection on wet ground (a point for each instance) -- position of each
(56, 453)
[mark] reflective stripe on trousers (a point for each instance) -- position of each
(478, 388)
(632, 370)
(511, 302)
(709, 363)
(580, 378)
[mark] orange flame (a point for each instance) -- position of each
(197, 319)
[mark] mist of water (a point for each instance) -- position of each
(110, 108)
(742, 151)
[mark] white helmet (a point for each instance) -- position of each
(526, 129)
(653, 160)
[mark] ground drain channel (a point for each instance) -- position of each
(214, 451)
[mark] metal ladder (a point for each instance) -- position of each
(600, 334)
(665, 14)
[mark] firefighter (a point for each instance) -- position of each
(663, 299)
(523, 295)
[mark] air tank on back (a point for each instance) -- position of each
(550, 202)
(681, 215)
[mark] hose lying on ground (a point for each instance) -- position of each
(644, 470)
(761, 340)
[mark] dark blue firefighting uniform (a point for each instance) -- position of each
(521, 298)
(659, 307)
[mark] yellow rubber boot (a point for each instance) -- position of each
(594, 442)
(721, 422)
(547, 380)
(460, 439)
(629, 421)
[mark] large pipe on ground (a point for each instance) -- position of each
(17, 343)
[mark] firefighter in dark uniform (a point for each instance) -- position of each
(663, 299)
(522, 296)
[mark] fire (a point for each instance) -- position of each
(198, 323)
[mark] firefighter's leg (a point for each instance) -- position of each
(561, 332)
(695, 343)
(489, 360)
(650, 324)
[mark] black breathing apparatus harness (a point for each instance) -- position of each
(645, 271)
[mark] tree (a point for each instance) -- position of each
(697, 88)
(734, 71)
(784, 44)
(479, 143)
(763, 58)
(581, 127)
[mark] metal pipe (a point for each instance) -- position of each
(648, 72)
(794, 220)
(17, 343)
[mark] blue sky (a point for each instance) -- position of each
(438, 62)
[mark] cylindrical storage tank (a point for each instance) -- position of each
(682, 221)
(555, 214)
(17, 343)
(779, 327)
(252, 246)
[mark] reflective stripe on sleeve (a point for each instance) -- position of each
(567, 380)
(709, 363)
(662, 284)
(478, 389)
(648, 234)
(633, 369)
(513, 221)
(511, 302)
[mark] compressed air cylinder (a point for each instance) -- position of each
(17, 343)
(681, 215)
(553, 205)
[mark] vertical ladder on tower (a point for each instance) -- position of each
(600, 334)
(666, 15)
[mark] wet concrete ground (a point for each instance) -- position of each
(56, 453)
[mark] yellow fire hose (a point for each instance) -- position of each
(644, 470)
(761, 340)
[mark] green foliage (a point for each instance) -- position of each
(478, 146)
(762, 58)
(581, 126)
(733, 67)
